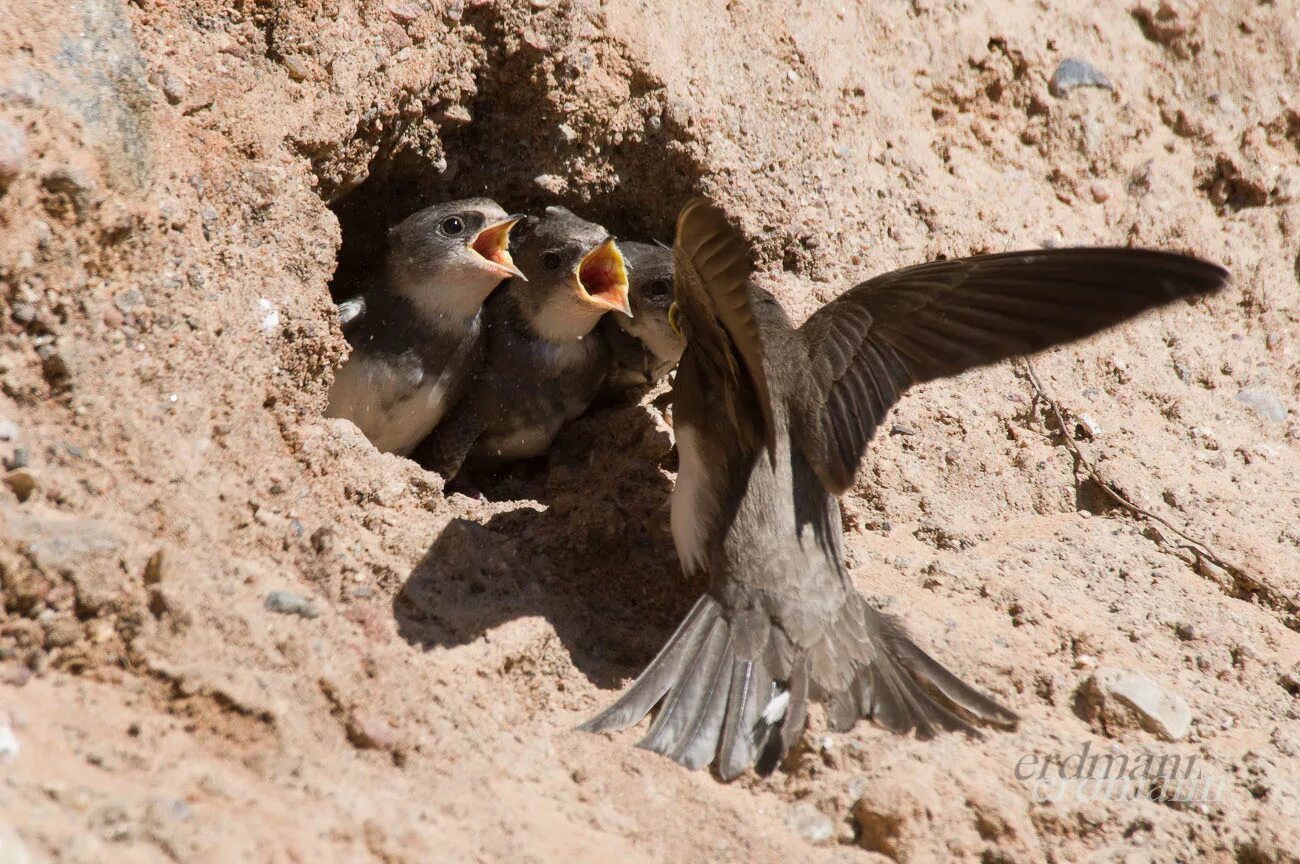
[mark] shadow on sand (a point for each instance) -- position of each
(589, 548)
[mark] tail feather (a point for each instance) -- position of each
(926, 668)
(796, 713)
(663, 672)
(689, 693)
(698, 745)
(725, 699)
(751, 690)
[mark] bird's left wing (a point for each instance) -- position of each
(877, 339)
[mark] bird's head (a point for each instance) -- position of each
(448, 258)
(576, 272)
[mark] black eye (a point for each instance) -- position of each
(660, 288)
(551, 260)
(453, 225)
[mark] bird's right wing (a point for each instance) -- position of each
(711, 267)
(879, 338)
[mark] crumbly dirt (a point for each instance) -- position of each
(179, 183)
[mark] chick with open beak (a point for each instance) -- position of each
(418, 328)
(645, 346)
(543, 364)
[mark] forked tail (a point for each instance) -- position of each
(735, 690)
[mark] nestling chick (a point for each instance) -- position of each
(543, 365)
(419, 329)
(645, 346)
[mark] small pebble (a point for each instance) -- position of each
(809, 823)
(128, 301)
(22, 482)
(1075, 72)
(75, 186)
(552, 183)
(173, 88)
(288, 603)
(297, 68)
(13, 153)
(8, 430)
(457, 114)
(1100, 193)
(270, 316)
(209, 216)
(1086, 428)
(8, 740)
(1158, 710)
(404, 12)
(61, 632)
(1266, 404)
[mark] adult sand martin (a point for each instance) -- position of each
(645, 346)
(772, 422)
(543, 365)
(418, 330)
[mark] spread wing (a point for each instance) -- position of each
(934, 320)
(711, 267)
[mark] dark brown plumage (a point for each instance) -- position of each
(772, 422)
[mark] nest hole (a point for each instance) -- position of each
(528, 140)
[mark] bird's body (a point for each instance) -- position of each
(771, 423)
(533, 386)
(404, 372)
(543, 364)
(417, 331)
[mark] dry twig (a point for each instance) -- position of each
(1203, 558)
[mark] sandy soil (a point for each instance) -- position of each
(179, 183)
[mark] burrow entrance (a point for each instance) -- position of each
(537, 133)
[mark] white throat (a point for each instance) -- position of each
(564, 318)
(451, 297)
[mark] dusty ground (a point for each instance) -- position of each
(179, 181)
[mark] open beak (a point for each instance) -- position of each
(493, 245)
(602, 276)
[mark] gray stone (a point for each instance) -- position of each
(1156, 709)
(83, 551)
(1264, 402)
(1076, 72)
(98, 76)
(288, 603)
(128, 301)
(13, 153)
(809, 823)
